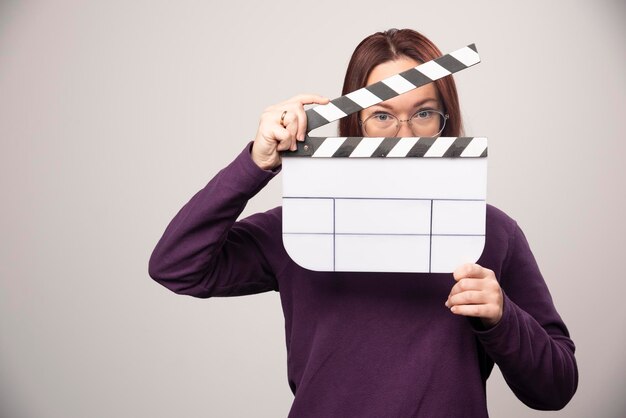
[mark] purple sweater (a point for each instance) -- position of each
(373, 344)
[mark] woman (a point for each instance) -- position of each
(376, 344)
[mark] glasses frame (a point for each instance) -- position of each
(444, 116)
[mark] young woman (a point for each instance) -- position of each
(376, 344)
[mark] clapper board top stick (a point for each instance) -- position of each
(386, 204)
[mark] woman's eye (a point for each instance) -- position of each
(382, 117)
(423, 114)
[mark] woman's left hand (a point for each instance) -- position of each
(476, 293)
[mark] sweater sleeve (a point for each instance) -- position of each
(205, 252)
(531, 344)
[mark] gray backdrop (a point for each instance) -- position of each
(113, 113)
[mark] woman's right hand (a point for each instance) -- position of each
(274, 136)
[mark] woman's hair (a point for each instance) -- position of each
(388, 46)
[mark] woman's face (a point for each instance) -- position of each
(412, 104)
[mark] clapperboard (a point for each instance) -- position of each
(386, 204)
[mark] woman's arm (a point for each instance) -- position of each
(521, 329)
(203, 251)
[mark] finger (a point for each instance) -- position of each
(292, 128)
(282, 117)
(302, 99)
(302, 121)
(470, 297)
(311, 99)
(469, 271)
(465, 285)
(283, 137)
(295, 114)
(298, 116)
(289, 118)
(289, 122)
(481, 311)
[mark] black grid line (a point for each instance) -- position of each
(430, 248)
(384, 198)
(334, 238)
(430, 234)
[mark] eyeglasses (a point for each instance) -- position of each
(426, 123)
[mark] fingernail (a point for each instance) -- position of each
(446, 304)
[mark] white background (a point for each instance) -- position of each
(113, 113)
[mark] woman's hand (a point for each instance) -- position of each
(276, 135)
(476, 293)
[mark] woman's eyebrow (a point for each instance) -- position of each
(383, 105)
(422, 102)
(416, 105)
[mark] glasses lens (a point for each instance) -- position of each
(381, 124)
(428, 122)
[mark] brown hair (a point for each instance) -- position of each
(388, 46)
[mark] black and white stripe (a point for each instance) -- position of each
(369, 147)
(392, 86)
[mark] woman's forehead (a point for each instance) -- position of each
(422, 96)
(389, 68)
(410, 99)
